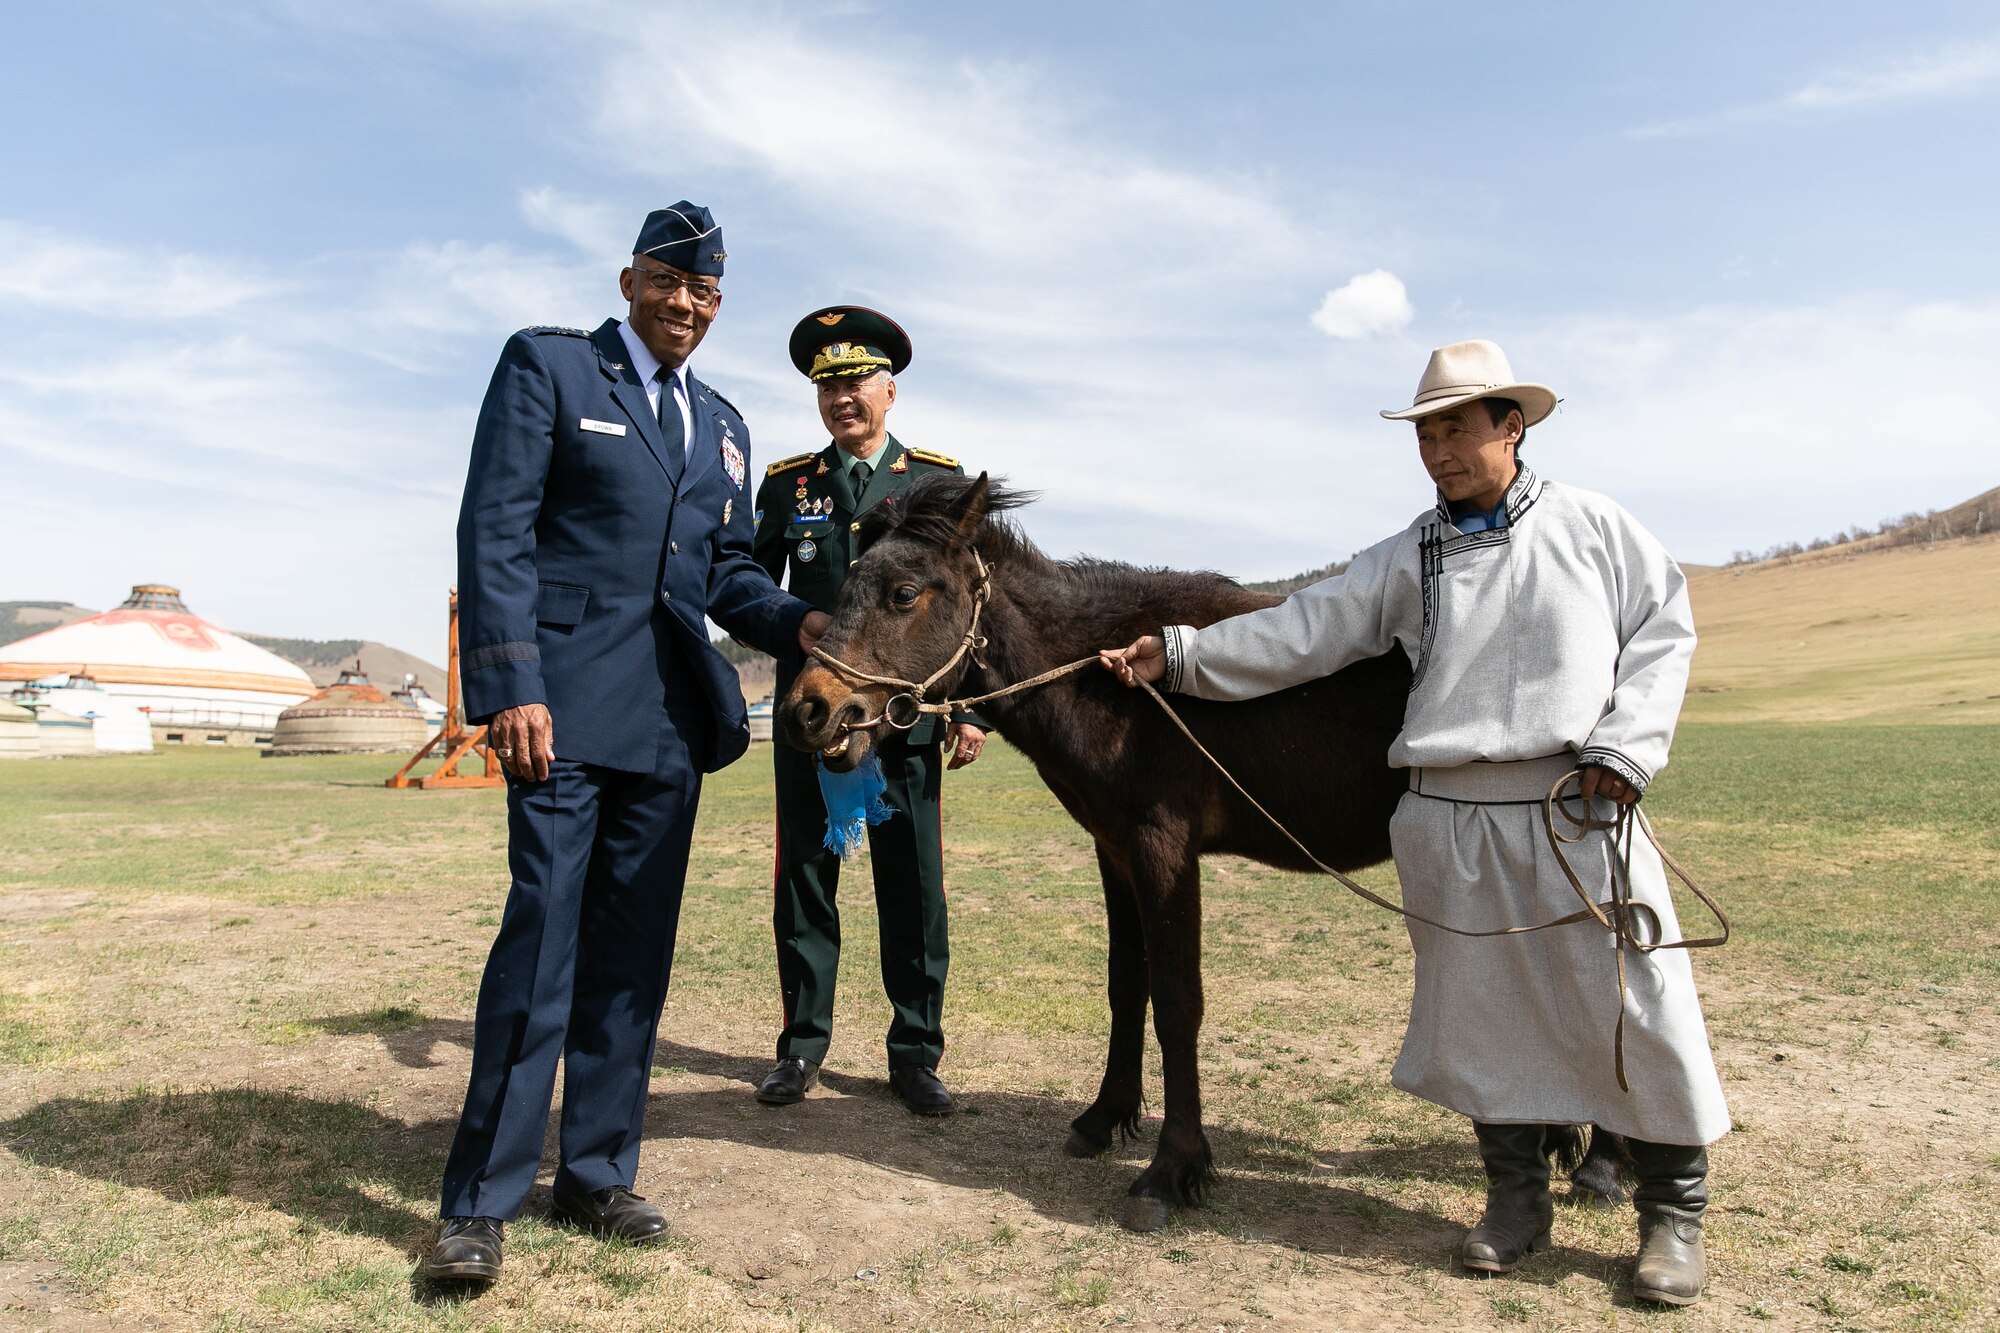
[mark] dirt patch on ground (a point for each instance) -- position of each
(33, 1296)
(847, 1211)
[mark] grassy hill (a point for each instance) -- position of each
(325, 659)
(1890, 634)
(20, 619)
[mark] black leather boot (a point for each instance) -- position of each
(1518, 1208)
(1671, 1197)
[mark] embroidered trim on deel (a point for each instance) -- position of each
(1521, 496)
(1430, 563)
(1468, 541)
(1176, 658)
(1618, 764)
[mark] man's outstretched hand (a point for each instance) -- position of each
(524, 741)
(1145, 658)
(811, 628)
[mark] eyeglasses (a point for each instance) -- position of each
(703, 294)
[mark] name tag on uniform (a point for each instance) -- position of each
(602, 427)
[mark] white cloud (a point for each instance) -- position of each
(51, 272)
(1958, 69)
(246, 437)
(1370, 303)
(1732, 427)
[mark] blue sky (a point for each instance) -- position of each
(1161, 262)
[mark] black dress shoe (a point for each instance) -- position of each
(920, 1090)
(614, 1211)
(788, 1083)
(467, 1251)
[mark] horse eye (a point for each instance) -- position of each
(905, 595)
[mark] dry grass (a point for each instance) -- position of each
(1907, 635)
(234, 1003)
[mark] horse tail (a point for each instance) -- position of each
(1565, 1144)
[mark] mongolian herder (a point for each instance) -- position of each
(808, 520)
(1547, 631)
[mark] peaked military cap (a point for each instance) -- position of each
(685, 236)
(848, 340)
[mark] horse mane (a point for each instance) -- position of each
(1091, 590)
(925, 511)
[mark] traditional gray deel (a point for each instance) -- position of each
(1562, 637)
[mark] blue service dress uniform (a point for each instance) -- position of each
(591, 546)
(808, 521)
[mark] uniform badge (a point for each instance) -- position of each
(807, 550)
(902, 463)
(728, 508)
(732, 461)
(821, 472)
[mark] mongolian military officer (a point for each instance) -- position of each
(605, 518)
(808, 523)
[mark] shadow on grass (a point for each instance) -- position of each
(331, 1162)
(407, 1034)
(1013, 1141)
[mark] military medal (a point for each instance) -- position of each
(807, 550)
(732, 459)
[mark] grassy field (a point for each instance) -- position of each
(235, 999)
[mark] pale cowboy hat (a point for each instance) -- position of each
(1477, 369)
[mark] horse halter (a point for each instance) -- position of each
(905, 710)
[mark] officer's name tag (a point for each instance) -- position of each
(601, 427)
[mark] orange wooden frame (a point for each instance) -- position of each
(459, 740)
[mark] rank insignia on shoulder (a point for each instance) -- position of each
(785, 464)
(934, 459)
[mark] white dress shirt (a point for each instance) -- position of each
(648, 367)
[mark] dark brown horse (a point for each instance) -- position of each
(1315, 754)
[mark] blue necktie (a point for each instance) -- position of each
(671, 427)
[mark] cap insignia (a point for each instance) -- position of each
(832, 318)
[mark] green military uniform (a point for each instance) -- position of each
(808, 527)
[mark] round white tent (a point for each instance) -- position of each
(153, 653)
(116, 725)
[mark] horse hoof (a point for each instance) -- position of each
(1145, 1213)
(1079, 1144)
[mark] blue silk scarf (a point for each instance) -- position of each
(853, 801)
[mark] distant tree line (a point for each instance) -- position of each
(1967, 520)
(309, 653)
(1286, 587)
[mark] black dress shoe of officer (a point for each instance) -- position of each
(614, 1211)
(788, 1083)
(920, 1090)
(467, 1251)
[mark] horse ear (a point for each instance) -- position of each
(968, 511)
